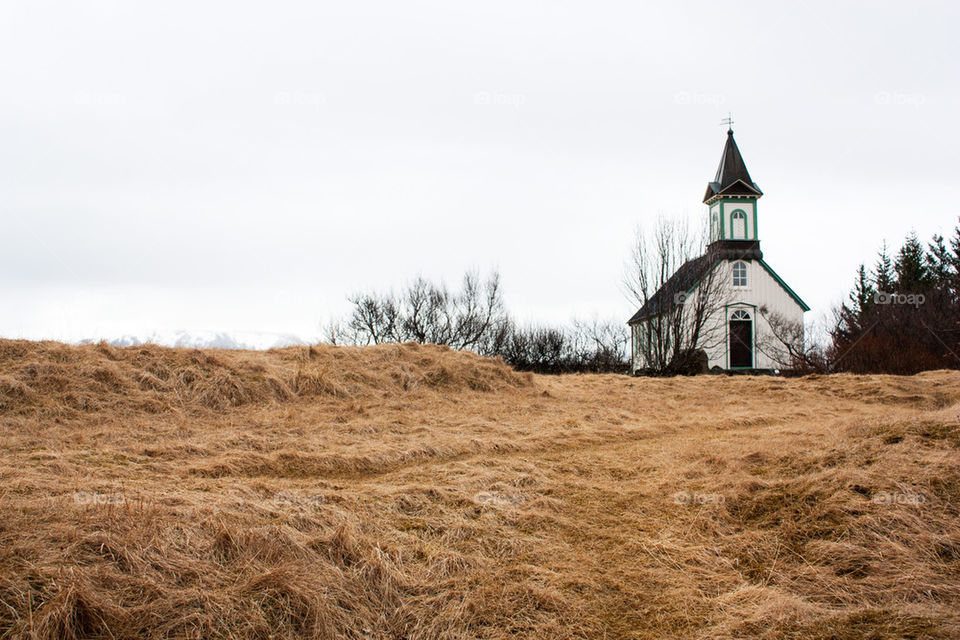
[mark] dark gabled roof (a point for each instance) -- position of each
(693, 271)
(689, 275)
(683, 280)
(732, 177)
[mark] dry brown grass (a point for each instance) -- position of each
(417, 492)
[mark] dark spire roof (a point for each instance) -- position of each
(732, 176)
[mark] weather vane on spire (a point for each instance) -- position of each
(728, 121)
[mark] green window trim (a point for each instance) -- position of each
(743, 216)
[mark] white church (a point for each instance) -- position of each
(752, 301)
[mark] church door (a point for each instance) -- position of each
(741, 339)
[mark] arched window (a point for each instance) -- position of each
(739, 274)
(738, 222)
(740, 314)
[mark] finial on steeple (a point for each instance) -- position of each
(728, 121)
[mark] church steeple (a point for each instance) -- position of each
(732, 198)
(732, 176)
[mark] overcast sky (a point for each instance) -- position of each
(243, 166)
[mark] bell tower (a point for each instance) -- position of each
(732, 201)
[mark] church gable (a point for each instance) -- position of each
(688, 277)
(783, 285)
(756, 283)
(739, 187)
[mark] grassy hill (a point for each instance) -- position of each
(411, 491)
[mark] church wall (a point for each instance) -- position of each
(715, 222)
(762, 290)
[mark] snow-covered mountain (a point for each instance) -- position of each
(210, 340)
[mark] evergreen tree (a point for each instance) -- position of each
(862, 296)
(910, 266)
(851, 317)
(938, 260)
(954, 261)
(939, 263)
(883, 271)
(955, 250)
(871, 335)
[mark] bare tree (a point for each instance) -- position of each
(479, 309)
(538, 348)
(473, 317)
(601, 345)
(374, 319)
(681, 293)
(788, 344)
(338, 332)
(425, 312)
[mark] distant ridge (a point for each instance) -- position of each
(254, 340)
